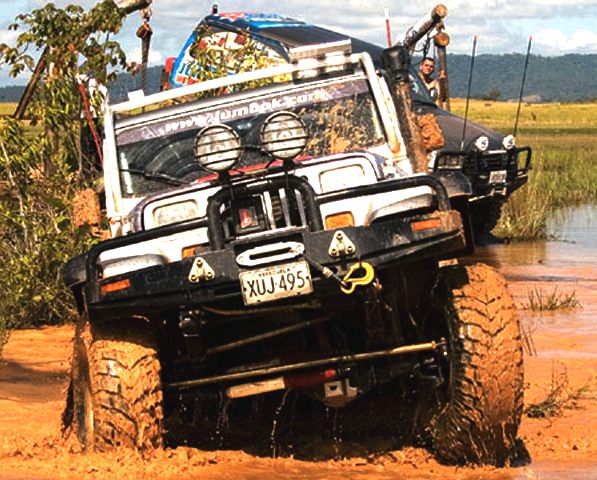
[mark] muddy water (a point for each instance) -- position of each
(564, 342)
(562, 352)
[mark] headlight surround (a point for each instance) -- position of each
(340, 178)
(482, 143)
(284, 135)
(450, 162)
(175, 212)
(217, 148)
(509, 142)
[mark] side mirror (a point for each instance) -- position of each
(396, 61)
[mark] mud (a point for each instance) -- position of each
(560, 355)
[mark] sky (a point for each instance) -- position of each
(502, 26)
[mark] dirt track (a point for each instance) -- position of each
(33, 375)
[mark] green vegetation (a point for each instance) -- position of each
(42, 168)
(538, 300)
(42, 164)
(564, 140)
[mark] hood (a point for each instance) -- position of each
(452, 126)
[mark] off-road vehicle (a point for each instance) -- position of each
(269, 234)
(493, 163)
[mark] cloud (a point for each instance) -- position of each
(557, 42)
(155, 57)
(503, 26)
(8, 36)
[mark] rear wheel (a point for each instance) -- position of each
(115, 397)
(477, 418)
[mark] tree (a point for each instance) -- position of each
(41, 163)
(492, 95)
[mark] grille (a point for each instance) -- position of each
(484, 163)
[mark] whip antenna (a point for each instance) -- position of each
(468, 93)
(386, 13)
(524, 77)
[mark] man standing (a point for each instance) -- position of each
(426, 69)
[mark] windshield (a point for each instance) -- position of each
(340, 117)
(418, 90)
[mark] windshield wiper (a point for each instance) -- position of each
(155, 176)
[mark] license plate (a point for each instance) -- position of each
(274, 283)
(499, 176)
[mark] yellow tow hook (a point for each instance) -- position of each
(352, 282)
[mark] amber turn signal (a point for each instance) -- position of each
(426, 224)
(337, 220)
(116, 286)
(189, 251)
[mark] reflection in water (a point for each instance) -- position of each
(574, 243)
(519, 253)
(577, 225)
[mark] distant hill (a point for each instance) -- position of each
(11, 94)
(549, 79)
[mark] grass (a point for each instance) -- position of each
(564, 138)
(540, 301)
(561, 396)
(7, 108)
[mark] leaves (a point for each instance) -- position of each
(41, 161)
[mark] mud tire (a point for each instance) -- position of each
(115, 395)
(478, 419)
(485, 216)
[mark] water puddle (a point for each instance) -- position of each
(565, 339)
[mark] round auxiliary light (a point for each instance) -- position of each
(284, 135)
(217, 148)
(482, 143)
(509, 142)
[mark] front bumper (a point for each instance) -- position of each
(386, 242)
(481, 169)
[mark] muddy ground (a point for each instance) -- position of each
(561, 355)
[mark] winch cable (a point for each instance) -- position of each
(325, 271)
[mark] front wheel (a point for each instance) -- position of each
(485, 215)
(477, 418)
(115, 394)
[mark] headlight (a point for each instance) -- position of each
(482, 143)
(217, 148)
(284, 135)
(341, 178)
(509, 142)
(175, 212)
(450, 161)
